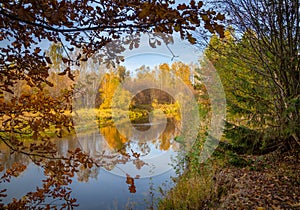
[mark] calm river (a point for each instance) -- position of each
(133, 169)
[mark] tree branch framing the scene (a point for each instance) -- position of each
(79, 29)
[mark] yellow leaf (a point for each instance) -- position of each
(205, 17)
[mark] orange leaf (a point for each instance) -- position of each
(48, 60)
(220, 17)
(65, 60)
(181, 7)
(37, 50)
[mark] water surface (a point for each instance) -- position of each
(132, 169)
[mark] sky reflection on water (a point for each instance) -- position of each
(132, 184)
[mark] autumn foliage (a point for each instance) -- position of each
(82, 30)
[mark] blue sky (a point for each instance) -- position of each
(146, 55)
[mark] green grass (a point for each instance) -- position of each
(192, 190)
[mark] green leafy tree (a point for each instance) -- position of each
(248, 105)
(259, 67)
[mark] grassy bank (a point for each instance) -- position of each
(233, 181)
(88, 119)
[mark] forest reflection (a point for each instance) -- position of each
(109, 150)
(117, 141)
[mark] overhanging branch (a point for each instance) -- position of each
(68, 30)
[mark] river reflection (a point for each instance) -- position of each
(130, 172)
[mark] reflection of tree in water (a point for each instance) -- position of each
(8, 159)
(58, 173)
(139, 163)
(144, 148)
(119, 143)
(163, 140)
(133, 149)
(62, 167)
(84, 174)
(113, 138)
(125, 150)
(168, 134)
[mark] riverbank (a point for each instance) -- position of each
(90, 119)
(232, 181)
(86, 120)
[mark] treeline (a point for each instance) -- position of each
(95, 87)
(160, 76)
